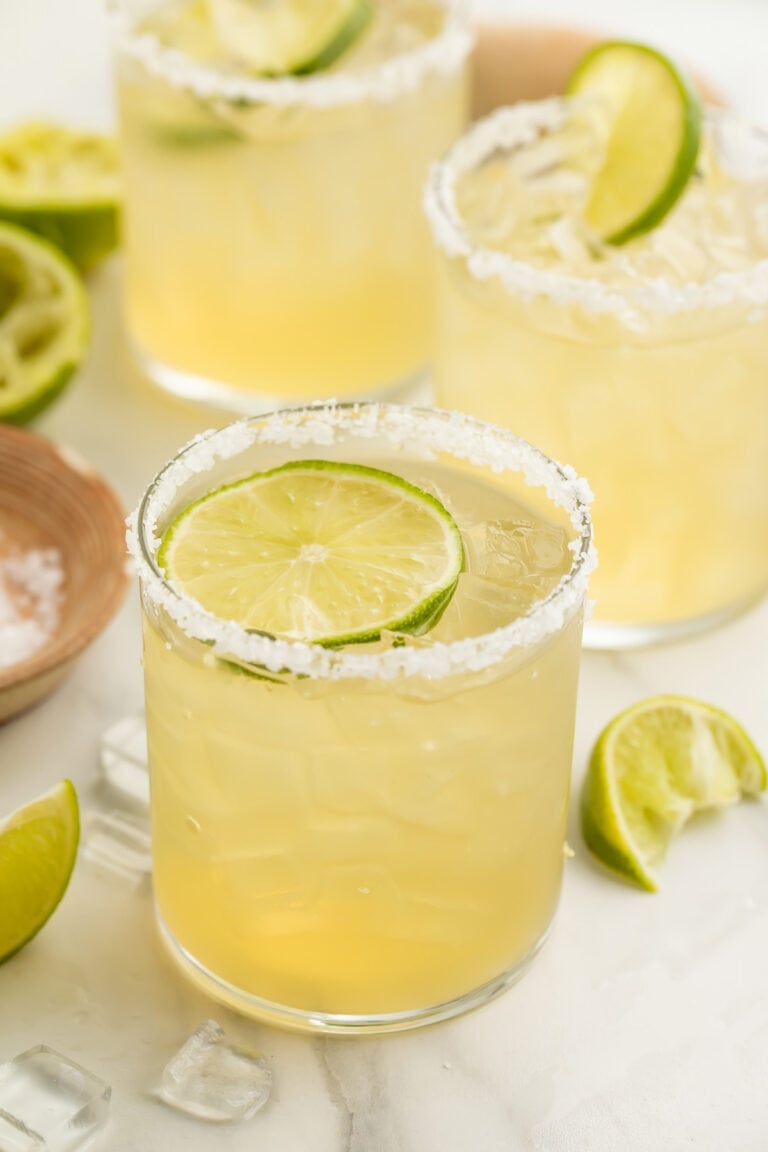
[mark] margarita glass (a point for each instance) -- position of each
(369, 837)
(275, 249)
(645, 366)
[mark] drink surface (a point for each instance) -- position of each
(606, 358)
(529, 203)
(281, 251)
(397, 26)
(372, 846)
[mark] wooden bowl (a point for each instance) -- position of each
(49, 498)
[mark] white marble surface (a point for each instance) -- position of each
(644, 1023)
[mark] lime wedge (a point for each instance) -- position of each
(43, 323)
(651, 125)
(320, 551)
(38, 847)
(291, 37)
(64, 186)
(652, 767)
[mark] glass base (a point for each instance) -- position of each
(223, 397)
(604, 636)
(338, 1024)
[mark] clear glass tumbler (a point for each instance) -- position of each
(370, 837)
(645, 366)
(275, 249)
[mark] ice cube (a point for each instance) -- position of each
(50, 1102)
(517, 551)
(214, 1080)
(16, 1137)
(118, 842)
(571, 242)
(482, 605)
(124, 758)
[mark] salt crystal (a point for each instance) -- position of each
(30, 601)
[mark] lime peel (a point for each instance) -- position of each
(317, 550)
(652, 768)
(652, 129)
(38, 849)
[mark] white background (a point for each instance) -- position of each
(643, 1025)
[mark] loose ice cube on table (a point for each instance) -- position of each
(124, 757)
(214, 1080)
(119, 843)
(15, 1136)
(50, 1102)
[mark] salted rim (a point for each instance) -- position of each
(452, 433)
(385, 81)
(513, 128)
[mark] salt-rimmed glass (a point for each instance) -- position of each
(275, 249)
(361, 839)
(652, 385)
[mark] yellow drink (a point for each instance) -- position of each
(645, 366)
(274, 242)
(376, 841)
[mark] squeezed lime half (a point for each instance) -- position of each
(651, 128)
(64, 185)
(652, 768)
(44, 323)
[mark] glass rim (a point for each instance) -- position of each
(515, 126)
(453, 434)
(385, 81)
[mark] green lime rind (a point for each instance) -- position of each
(357, 21)
(38, 849)
(637, 155)
(44, 323)
(64, 186)
(652, 768)
(85, 237)
(181, 548)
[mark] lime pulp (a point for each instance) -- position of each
(44, 323)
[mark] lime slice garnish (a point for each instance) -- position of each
(64, 186)
(43, 323)
(290, 37)
(651, 769)
(190, 137)
(320, 551)
(651, 127)
(38, 846)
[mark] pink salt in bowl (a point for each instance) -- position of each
(62, 564)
